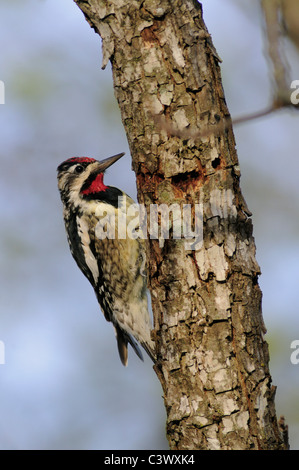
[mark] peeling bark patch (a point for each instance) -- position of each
(184, 406)
(212, 261)
(149, 37)
(222, 204)
(186, 180)
(235, 422)
(180, 119)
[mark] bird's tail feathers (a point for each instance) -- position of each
(123, 338)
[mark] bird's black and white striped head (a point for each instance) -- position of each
(82, 178)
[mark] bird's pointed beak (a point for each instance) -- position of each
(104, 164)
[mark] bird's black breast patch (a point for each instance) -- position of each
(109, 196)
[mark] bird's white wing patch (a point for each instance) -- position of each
(89, 257)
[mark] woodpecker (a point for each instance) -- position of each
(115, 266)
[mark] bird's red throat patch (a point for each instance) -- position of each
(96, 186)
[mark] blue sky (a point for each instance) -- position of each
(62, 385)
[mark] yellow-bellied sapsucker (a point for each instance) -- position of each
(115, 266)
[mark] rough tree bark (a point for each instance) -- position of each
(212, 357)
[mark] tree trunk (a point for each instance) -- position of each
(208, 326)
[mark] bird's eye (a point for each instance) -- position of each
(79, 169)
